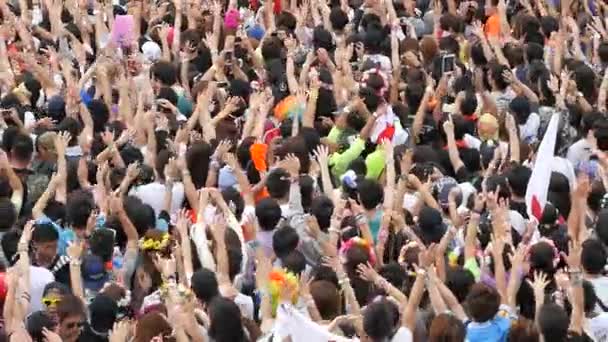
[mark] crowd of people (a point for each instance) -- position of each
(304, 170)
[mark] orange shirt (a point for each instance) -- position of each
(492, 26)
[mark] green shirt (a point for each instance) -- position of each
(339, 162)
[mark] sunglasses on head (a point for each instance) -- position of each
(73, 325)
(50, 301)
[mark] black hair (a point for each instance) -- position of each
(225, 317)
(235, 201)
(371, 193)
(518, 178)
(141, 215)
(380, 320)
(165, 72)
(78, 208)
(205, 285)
(278, 184)
(100, 114)
(268, 213)
(44, 232)
(553, 322)
(468, 105)
(294, 262)
(22, 147)
(496, 71)
(593, 256)
(37, 322)
(459, 280)
(322, 208)
(9, 243)
(198, 158)
(338, 19)
(284, 241)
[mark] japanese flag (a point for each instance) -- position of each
(538, 186)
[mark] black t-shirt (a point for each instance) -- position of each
(87, 335)
(520, 207)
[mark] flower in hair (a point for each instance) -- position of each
(357, 241)
(151, 244)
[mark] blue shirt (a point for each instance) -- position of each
(495, 330)
(66, 235)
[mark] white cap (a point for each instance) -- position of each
(152, 52)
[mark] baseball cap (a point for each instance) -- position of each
(94, 274)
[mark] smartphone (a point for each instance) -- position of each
(448, 63)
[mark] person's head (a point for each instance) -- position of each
(71, 314)
(446, 328)
(153, 324)
(268, 213)
(322, 208)
(37, 322)
(482, 303)
(593, 257)
(103, 311)
(468, 105)
(497, 80)
(523, 330)
(22, 150)
(277, 183)
(225, 318)
(459, 280)
(204, 285)
(326, 297)
(553, 322)
(380, 320)
(284, 241)
(163, 74)
(52, 295)
(371, 193)
(78, 209)
(518, 178)
(534, 52)
(100, 114)
(44, 241)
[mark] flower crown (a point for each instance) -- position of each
(182, 291)
(151, 244)
(278, 279)
(357, 241)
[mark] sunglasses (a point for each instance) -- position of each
(73, 325)
(50, 301)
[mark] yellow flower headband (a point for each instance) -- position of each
(151, 244)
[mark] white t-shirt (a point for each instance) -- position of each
(598, 327)
(153, 194)
(403, 335)
(39, 278)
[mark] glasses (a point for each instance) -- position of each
(50, 301)
(73, 325)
